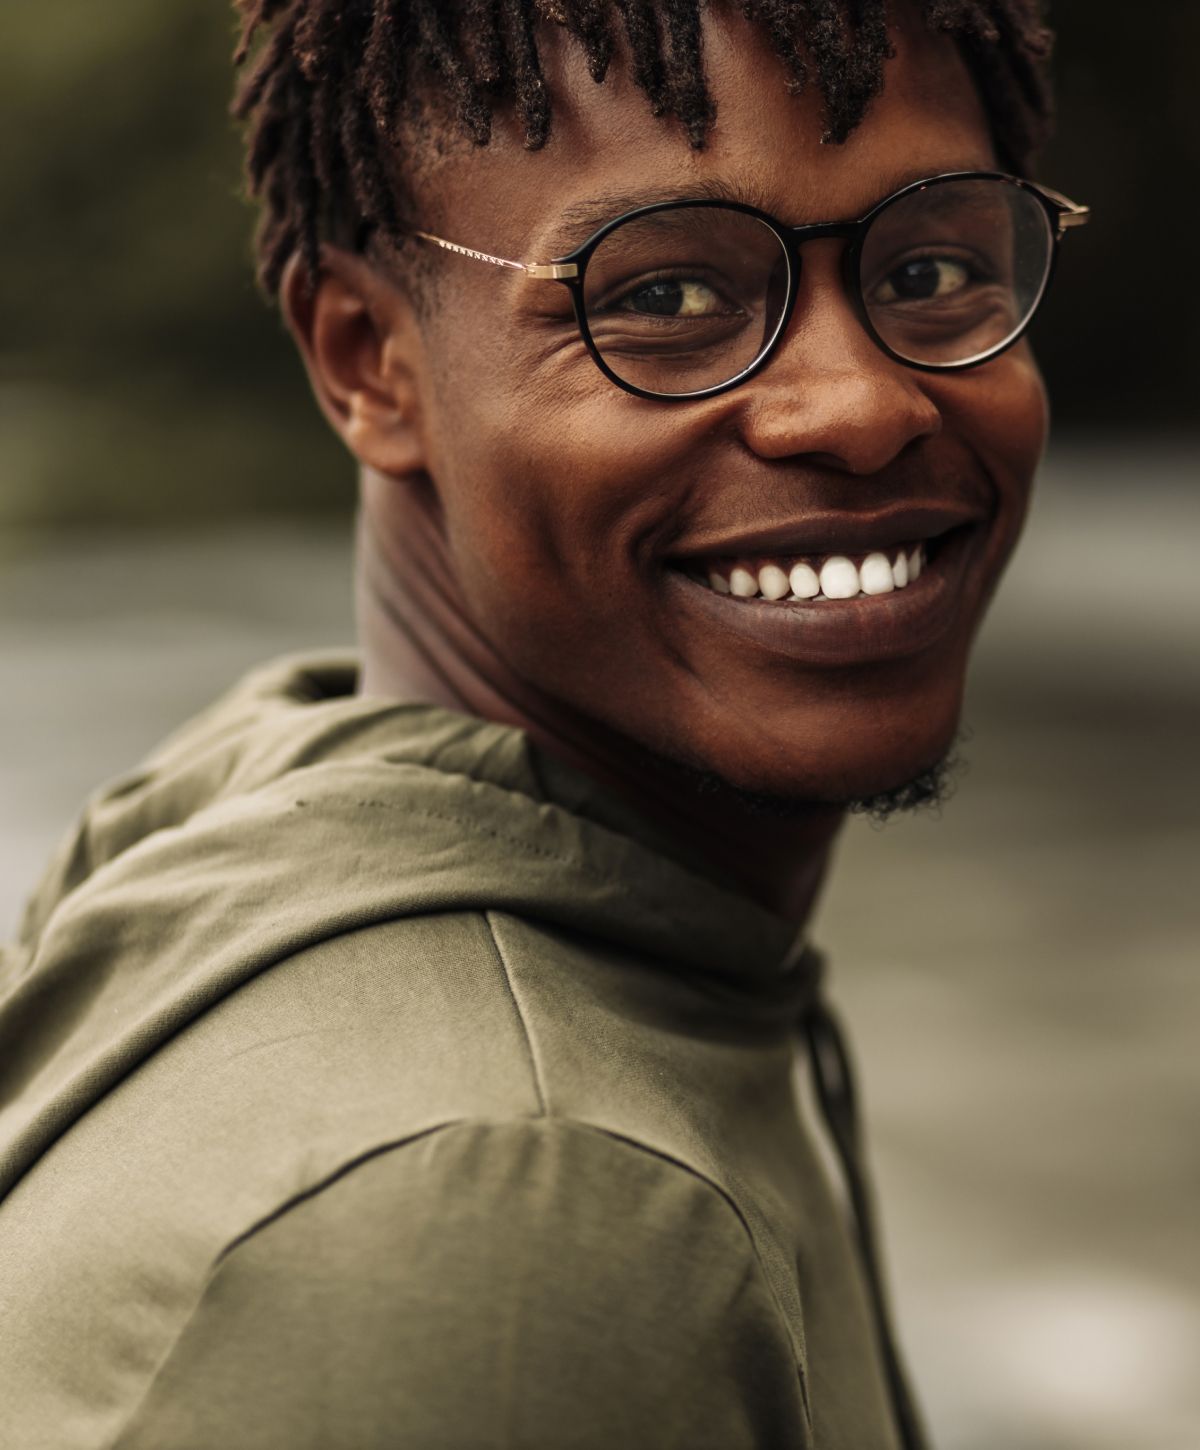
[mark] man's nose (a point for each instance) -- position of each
(830, 393)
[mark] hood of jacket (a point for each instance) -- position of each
(294, 810)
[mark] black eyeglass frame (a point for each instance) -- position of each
(571, 270)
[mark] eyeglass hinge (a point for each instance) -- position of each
(1070, 213)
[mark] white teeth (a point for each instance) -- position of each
(743, 584)
(804, 582)
(773, 583)
(839, 578)
(876, 575)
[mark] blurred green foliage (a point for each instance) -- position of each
(142, 378)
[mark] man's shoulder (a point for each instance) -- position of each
(257, 1051)
(382, 1283)
(542, 1213)
(515, 1270)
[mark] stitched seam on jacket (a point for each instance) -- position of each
(382, 1149)
(277, 1213)
(723, 1194)
(534, 1068)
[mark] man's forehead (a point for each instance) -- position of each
(608, 154)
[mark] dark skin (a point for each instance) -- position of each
(521, 516)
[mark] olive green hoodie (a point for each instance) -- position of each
(368, 1079)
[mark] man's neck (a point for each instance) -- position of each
(418, 643)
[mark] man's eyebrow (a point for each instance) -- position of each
(578, 221)
(582, 218)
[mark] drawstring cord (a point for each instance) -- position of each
(833, 1080)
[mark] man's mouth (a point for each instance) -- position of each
(791, 579)
(841, 591)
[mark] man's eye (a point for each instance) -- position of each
(923, 279)
(674, 297)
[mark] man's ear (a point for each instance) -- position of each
(362, 349)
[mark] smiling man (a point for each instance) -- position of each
(405, 1055)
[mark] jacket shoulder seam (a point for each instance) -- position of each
(542, 1122)
(534, 1066)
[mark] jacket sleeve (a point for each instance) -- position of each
(533, 1285)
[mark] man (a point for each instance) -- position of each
(404, 1055)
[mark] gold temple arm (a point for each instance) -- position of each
(546, 271)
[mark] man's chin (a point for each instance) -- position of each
(926, 789)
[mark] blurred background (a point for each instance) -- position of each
(1020, 975)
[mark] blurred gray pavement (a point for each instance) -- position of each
(1021, 976)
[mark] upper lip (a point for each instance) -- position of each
(840, 532)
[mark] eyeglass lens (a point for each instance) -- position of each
(686, 299)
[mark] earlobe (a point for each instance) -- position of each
(361, 347)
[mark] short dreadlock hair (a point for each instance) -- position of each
(329, 85)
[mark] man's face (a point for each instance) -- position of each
(574, 517)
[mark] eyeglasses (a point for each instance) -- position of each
(683, 300)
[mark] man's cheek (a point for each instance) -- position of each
(1001, 410)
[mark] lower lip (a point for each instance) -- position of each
(867, 629)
